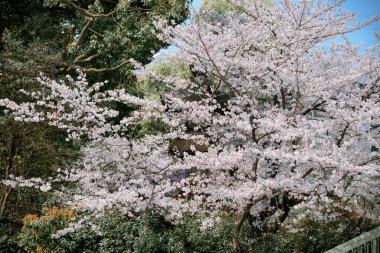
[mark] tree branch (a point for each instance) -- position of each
(265, 135)
(339, 141)
(82, 33)
(313, 107)
(235, 243)
(85, 58)
(95, 70)
(283, 98)
(87, 12)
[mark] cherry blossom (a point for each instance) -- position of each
(277, 118)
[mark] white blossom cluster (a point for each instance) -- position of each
(37, 183)
(265, 154)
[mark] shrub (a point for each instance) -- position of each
(150, 233)
(9, 230)
(36, 233)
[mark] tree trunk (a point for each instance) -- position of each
(7, 191)
(245, 214)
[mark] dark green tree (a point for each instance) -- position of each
(58, 37)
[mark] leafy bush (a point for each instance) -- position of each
(36, 234)
(191, 237)
(150, 233)
(308, 235)
(146, 234)
(119, 233)
(8, 236)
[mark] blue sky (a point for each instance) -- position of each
(364, 9)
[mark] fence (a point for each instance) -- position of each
(366, 243)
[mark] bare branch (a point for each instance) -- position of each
(283, 97)
(373, 159)
(344, 131)
(313, 107)
(265, 135)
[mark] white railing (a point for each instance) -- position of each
(366, 243)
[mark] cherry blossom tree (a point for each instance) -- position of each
(277, 118)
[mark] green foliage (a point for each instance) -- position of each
(119, 233)
(218, 5)
(36, 235)
(127, 32)
(223, 6)
(148, 127)
(190, 237)
(8, 236)
(152, 88)
(30, 45)
(309, 236)
(42, 36)
(152, 234)
(146, 234)
(167, 68)
(31, 150)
